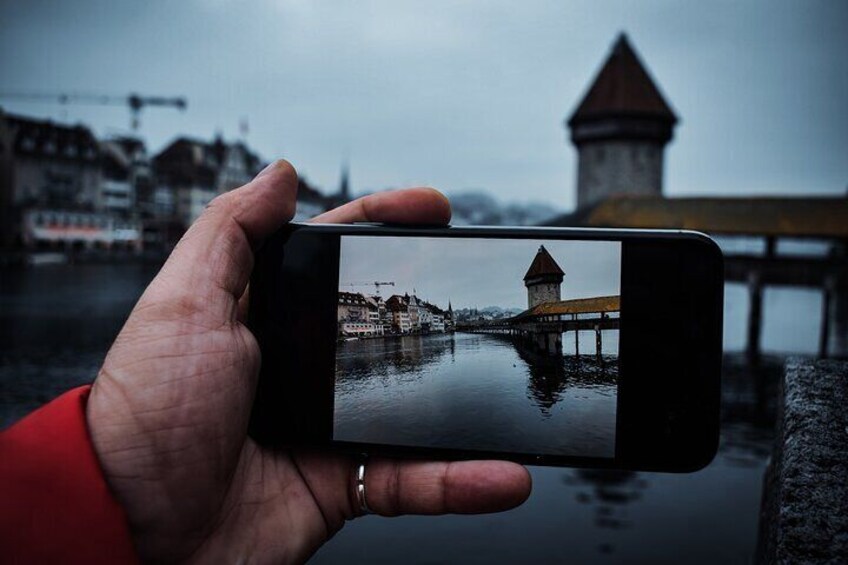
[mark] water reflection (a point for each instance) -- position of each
(378, 357)
(748, 409)
(609, 492)
(474, 391)
(548, 377)
(748, 413)
(56, 324)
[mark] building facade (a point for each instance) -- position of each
(399, 312)
(60, 185)
(60, 188)
(194, 172)
(358, 315)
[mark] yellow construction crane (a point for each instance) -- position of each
(135, 102)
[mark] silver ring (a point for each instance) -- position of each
(359, 487)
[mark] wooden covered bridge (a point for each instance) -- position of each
(768, 221)
(548, 317)
(542, 326)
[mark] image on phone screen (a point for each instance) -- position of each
(504, 345)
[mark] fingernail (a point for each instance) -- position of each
(266, 170)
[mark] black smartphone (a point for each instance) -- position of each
(549, 346)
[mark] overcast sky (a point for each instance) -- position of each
(475, 273)
(459, 95)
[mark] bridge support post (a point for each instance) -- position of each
(546, 342)
(598, 345)
(824, 332)
(554, 343)
(838, 320)
(577, 343)
(833, 340)
(755, 312)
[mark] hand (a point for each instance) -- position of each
(168, 412)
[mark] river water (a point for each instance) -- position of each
(56, 323)
(474, 391)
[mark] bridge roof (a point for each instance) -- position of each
(814, 216)
(575, 306)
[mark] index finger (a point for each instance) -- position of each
(407, 206)
(396, 487)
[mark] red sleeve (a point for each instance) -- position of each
(55, 505)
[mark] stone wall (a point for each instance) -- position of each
(605, 168)
(543, 292)
(804, 516)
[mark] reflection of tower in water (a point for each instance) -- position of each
(549, 377)
(610, 491)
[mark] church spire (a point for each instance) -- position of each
(344, 183)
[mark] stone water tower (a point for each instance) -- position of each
(543, 279)
(620, 129)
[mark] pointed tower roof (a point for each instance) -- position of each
(543, 265)
(622, 88)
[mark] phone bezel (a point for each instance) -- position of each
(673, 429)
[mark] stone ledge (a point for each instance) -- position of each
(804, 517)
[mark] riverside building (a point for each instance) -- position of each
(360, 315)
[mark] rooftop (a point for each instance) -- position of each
(543, 264)
(815, 217)
(576, 306)
(623, 87)
(45, 138)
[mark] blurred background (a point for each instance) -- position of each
(120, 121)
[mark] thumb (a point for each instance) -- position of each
(211, 265)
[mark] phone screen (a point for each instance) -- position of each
(478, 344)
(545, 346)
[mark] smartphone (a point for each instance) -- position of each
(548, 346)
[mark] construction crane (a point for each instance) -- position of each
(375, 284)
(135, 102)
